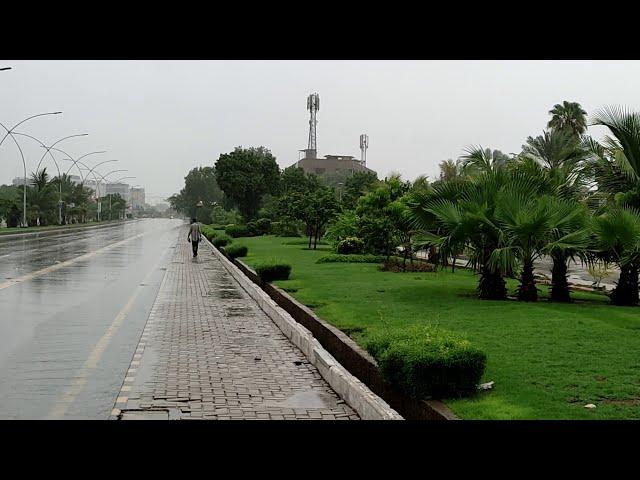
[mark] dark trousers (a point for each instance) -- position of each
(194, 245)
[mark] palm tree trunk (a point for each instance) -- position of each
(626, 291)
(559, 283)
(527, 290)
(491, 285)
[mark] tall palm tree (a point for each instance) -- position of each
(569, 117)
(478, 160)
(565, 174)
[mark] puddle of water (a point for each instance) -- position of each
(307, 399)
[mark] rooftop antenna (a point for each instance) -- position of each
(364, 144)
(313, 105)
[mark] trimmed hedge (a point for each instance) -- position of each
(350, 245)
(338, 258)
(237, 231)
(263, 226)
(268, 272)
(236, 251)
(221, 241)
(428, 362)
(208, 231)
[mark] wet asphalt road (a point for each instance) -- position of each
(72, 308)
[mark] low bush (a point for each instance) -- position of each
(268, 272)
(263, 226)
(208, 231)
(221, 241)
(338, 258)
(428, 362)
(350, 245)
(236, 251)
(396, 265)
(237, 231)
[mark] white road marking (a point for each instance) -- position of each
(57, 266)
(92, 361)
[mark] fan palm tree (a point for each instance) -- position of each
(616, 236)
(568, 117)
(533, 226)
(564, 174)
(478, 160)
(464, 218)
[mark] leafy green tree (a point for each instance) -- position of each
(245, 176)
(568, 117)
(200, 185)
(375, 213)
(315, 209)
(357, 185)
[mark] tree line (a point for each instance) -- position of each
(564, 196)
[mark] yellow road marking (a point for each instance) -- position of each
(91, 363)
(57, 266)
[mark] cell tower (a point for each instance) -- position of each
(313, 105)
(364, 144)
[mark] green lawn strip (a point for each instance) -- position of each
(547, 360)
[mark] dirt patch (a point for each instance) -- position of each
(615, 401)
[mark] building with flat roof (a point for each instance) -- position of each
(120, 188)
(341, 165)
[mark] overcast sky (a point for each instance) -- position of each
(162, 118)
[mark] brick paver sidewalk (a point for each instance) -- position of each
(209, 352)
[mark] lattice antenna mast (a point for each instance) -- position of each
(313, 105)
(364, 144)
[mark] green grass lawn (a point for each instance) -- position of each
(547, 360)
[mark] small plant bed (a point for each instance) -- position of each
(338, 258)
(548, 360)
(397, 265)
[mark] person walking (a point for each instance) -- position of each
(194, 236)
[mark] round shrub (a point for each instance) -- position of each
(221, 241)
(268, 272)
(428, 362)
(236, 251)
(252, 229)
(237, 231)
(288, 229)
(263, 226)
(350, 245)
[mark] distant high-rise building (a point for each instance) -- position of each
(121, 189)
(137, 198)
(20, 181)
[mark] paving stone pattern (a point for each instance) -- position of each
(209, 352)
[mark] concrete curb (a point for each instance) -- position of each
(357, 395)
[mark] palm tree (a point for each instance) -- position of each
(533, 226)
(564, 174)
(616, 236)
(568, 117)
(463, 217)
(478, 160)
(450, 170)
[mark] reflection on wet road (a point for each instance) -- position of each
(72, 307)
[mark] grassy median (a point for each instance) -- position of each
(547, 360)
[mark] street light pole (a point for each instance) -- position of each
(48, 151)
(24, 163)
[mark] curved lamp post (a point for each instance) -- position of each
(24, 163)
(110, 195)
(104, 177)
(48, 151)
